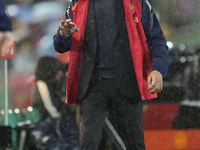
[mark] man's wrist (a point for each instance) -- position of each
(158, 71)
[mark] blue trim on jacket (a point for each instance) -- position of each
(5, 23)
(154, 35)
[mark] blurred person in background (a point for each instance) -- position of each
(48, 99)
(6, 35)
(49, 76)
(118, 56)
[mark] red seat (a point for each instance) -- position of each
(159, 116)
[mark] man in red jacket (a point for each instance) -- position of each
(118, 55)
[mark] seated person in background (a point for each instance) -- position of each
(49, 79)
(48, 99)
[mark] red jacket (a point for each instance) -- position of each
(139, 48)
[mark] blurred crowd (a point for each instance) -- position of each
(34, 24)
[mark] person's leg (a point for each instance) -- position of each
(130, 117)
(94, 112)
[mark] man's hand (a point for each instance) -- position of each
(67, 28)
(6, 41)
(155, 82)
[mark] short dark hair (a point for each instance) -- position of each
(47, 68)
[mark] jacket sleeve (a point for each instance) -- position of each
(155, 38)
(5, 23)
(61, 44)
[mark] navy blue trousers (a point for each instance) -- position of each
(103, 98)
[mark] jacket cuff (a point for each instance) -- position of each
(160, 58)
(161, 70)
(63, 39)
(62, 44)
